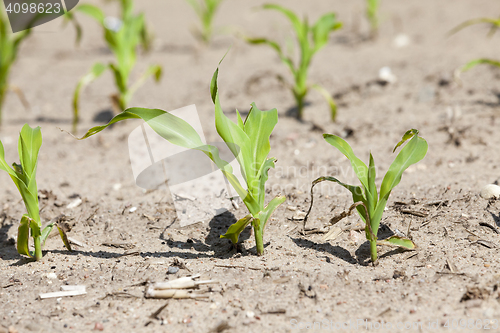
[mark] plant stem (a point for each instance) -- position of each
(299, 98)
(3, 90)
(373, 251)
(259, 242)
(38, 248)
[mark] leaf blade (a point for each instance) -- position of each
(237, 228)
(23, 234)
(398, 242)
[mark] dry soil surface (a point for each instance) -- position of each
(450, 281)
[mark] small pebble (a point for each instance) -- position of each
(98, 327)
(250, 314)
(385, 75)
(299, 215)
(133, 209)
(490, 191)
(401, 40)
(173, 270)
(74, 204)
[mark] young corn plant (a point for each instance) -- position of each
(123, 36)
(368, 202)
(9, 46)
(372, 8)
(24, 176)
(494, 25)
(310, 39)
(205, 10)
(248, 141)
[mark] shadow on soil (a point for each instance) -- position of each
(362, 253)
(496, 218)
(222, 248)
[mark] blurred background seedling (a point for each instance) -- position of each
(24, 176)
(205, 10)
(372, 14)
(9, 46)
(494, 25)
(310, 39)
(123, 36)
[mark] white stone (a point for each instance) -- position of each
(401, 40)
(385, 74)
(74, 204)
(490, 191)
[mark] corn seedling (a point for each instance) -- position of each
(24, 176)
(370, 204)
(372, 8)
(249, 143)
(310, 39)
(494, 25)
(9, 46)
(205, 10)
(123, 36)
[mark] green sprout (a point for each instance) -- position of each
(123, 37)
(205, 10)
(372, 8)
(494, 25)
(310, 39)
(370, 204)
(9, 46)
(248, 141)
(24, 176)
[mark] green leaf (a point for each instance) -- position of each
(156, 71)
(408, 135)
(5, 166)
(24, 177)
(92, 11)
(297, 25)
(35, 229)
(64, 238)
(321, 30)
(476, 62)
(258, 126)
(236, 139)
(493, 22)
(121, 78)
(286, 60)
(358, 166)
(30, 141)
(266, 213)
(412, 153)
(329, 99)
(23, 234)
(356, 191)
(178, 132)
(398, 241)
(372, 188)
(235, 229)
(262, 176)
(94, 73)
(45, 233)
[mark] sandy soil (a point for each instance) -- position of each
(301, 278)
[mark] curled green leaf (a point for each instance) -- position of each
(398, 241)
(234, 231)
(408, 135)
